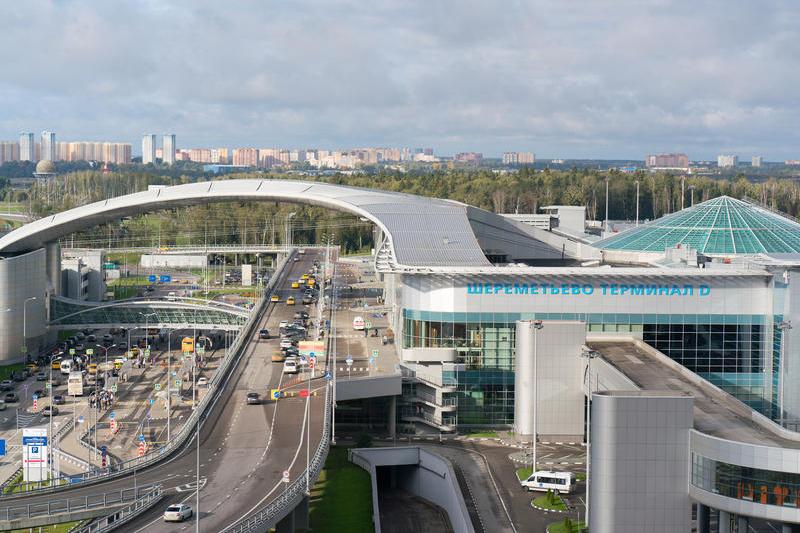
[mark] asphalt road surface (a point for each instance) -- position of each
(243, 448)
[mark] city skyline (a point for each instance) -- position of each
(539, 77)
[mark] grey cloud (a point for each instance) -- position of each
(587, 78)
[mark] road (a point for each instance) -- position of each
(243, 448)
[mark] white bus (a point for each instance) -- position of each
(544, 480)
(66, 366)
(75, 384)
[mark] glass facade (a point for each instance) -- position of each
(752, 484)
(727, 350)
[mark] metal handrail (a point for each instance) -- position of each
(188, 429)
(124, 515)
(70, 505)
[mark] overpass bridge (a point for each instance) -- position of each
(173, 313)
(196, 249)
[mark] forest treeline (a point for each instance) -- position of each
(522, 191)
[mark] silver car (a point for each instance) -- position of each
(177, 512)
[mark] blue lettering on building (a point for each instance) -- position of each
(606, 289)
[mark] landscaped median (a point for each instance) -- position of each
(550, 501)
(524, 473)
(567, 526)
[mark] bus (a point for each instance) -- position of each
(544, 480)
(75, 384)
(187, 345)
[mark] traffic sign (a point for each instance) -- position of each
(152, 401)
(72, 351)
(23, 348)
(285, 477)
(165, 278)
(312, 362)
(158, 386)
(2, 447)
(147, 352)
(141, 438)
(275, 394)
(35, 397)
(151, 278)
(178, 382)
(328, 376)
(375, 352)
(89, 351)
(80, 419)
(113, 415)
(349, 361)
(304, 393)
(368, 325)
(114, 387)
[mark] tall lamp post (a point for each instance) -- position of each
(784, 326)
(289, 229)
(637, 203)
(537, 325)
(147, 328)
(589, 355)
(691, 195)
(605, 222)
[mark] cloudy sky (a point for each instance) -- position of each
(561, 78)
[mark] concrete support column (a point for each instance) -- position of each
(53, 265)
(524, 386)
(743, 524)
(286, 525)
(301, 514)
(703, 518)
(789, 528)
(392, 414)
(724, 522)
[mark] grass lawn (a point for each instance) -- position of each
(341, 499)
(580, 476)
(17, 485)
(124, 292)
(5, 371)
(556, 504)
(130, 281)
(564, 527)
(524, 472)
(482, 434)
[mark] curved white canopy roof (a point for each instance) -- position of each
(419, 231)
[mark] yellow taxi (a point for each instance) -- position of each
(92, 368)
(305, 276)
(33, 367)
(290, 300)
(56, 364)
(278, 357)
(275, 298)
(311, 282)
(295, 285)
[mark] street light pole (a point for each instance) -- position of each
(197, 465)
(605, 222)
(637, 203)
(537, 325)
(169, 382)
(589, 354)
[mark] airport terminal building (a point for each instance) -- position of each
(680, 331)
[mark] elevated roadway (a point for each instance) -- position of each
(244, 449)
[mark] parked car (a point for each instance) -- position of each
(6, 385)
(11, 397)
(253, 398)
(59, 399)
(40, 393)
(50, 410)
(274, 298)
(177, 512)
(308, 300)
(263, 334)
(290, 367)
(202, 382)
(91, 338)
(18, 376)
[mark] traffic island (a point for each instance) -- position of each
(550, 502)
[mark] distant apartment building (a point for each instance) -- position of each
(792, 162)
(245, 157)
(200, 155)
(106, 152)
(148, 148)
(756, 161)
(9, 151)
(727, 161)
(667, 161)
(49, 146)
(518, 158)
(27, 147)
(220, 156)
(168, 156)
(468, 157)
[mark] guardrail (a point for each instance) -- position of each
(74, 505)
(124, 515)
(188, 429)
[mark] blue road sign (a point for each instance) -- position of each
(328, 376)
(80, 419)
(74, 480)
(112, 415)
(152, 401)
(35, 397)
(349, 360)
(152, 278)
(34, 441)
(165, 278)
(2, 447)
(141, 438)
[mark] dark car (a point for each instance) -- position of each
(11, 397)
(253, 398)
(18, 376)
(50, 410)
(263, 334)
(40, 393)
(6, 385)
(308, 300)
(59, 399)
(41, 376)
(91, 338)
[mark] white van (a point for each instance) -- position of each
(544, 480)
(171, 296)
(358, 323)
(66, 366)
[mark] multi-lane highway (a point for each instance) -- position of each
(244, 449)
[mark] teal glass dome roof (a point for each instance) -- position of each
(721, 226)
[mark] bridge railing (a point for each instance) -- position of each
(216, 384)
(122, 516)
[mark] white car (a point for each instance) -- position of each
(284, 324)
(286, 343)
(289, 367)
(177, 512)
(202, 382)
